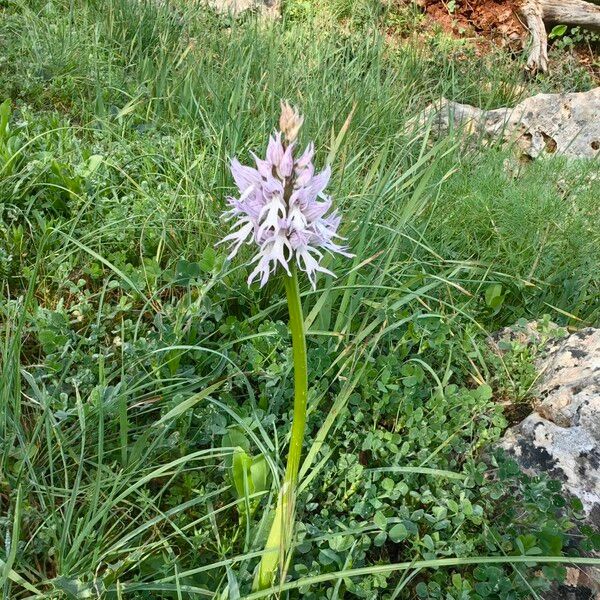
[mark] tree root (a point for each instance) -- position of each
(577, 13)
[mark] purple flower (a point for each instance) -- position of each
(282, 208)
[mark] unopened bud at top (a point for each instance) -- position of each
(290, 122)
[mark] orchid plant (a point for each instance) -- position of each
(283, 211)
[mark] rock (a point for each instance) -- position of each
(579, 585)
(525, 333)
(566, 124)
(266, 8)
(562, 436)
(570, 386)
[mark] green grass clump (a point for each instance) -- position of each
(537, 224)
(141, 380)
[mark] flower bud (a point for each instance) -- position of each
(290, 122)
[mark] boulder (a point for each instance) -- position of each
(566, 124)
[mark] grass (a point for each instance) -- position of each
(135, 361)
(537, 224)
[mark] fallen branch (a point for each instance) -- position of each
(538, 13)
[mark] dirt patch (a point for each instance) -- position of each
(495, 19)
(515, 412)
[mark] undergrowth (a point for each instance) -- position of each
(135, 363)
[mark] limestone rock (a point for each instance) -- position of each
(526, 333)
(562, 436)
(566, 124)
(266, 8)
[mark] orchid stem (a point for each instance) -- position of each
(281, 530)
(300, 376)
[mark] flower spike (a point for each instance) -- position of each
(282, 207)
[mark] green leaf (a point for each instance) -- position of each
(75, 589)
(152, 270)
(576, 504)
(484, 392)
(380, 520)
(328, 557)
(208, 259)
(259, 473)
(187, 404)
(398, 533)
(186, 271)
(428, 543)
(235, 437)
(557, 31)
(380, 539)
(387, 484)
(493, 296)
(421, 590)
(4, 119)
(240, 473)
(93, 162)
(233, 587)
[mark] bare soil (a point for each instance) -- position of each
(495, 19)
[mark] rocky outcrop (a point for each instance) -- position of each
(566, 124)
(562, 436)
(266, 8)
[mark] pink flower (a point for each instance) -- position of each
(282, 209)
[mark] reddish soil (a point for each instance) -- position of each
(495, 19)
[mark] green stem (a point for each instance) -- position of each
(300, 376)
(283, 523)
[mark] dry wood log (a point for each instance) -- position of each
(577, 13)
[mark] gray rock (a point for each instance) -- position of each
(526, 333)
(566, 124)
(266, 8)
(579, 585)
(562, 437)
(570, 384)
